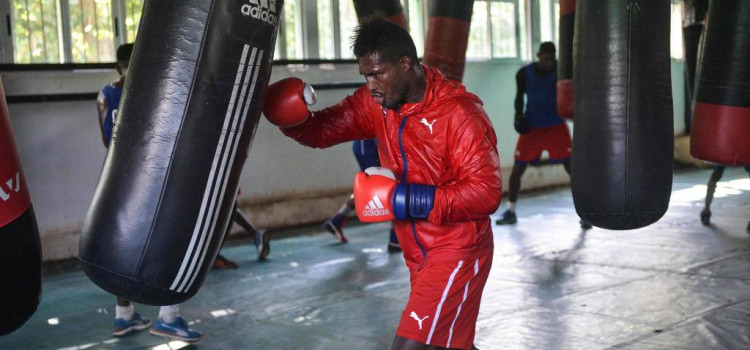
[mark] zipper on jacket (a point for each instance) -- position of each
(403, 175)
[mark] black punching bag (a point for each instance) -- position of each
(693, 22)
(20, 251)
(448, 36)
(692, 30)
(565, 95)
(623, 146)
(390, 10)
(721, 117)
(189, 110)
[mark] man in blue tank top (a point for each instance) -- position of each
(540, 127)
(109, 97)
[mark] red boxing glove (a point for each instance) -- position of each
(379, 197)
(373, 190)
(286, 101)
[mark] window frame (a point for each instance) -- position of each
(7, 51)
(521, 45)
(308, 32)
(681, 7)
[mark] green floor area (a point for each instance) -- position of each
(673, 285)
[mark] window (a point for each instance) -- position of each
(415, 14)
(292, 30)
(503, 20)
(326, 39)
(676, 44)
(479, 35)
(133, 10)
(556, 15)
(546, 28)
(36, 33)
(91, 31)
(523, 30)
(549, 19)
(347, 23)
(78, 31)
(495, 29)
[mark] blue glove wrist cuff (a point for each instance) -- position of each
(421, 198)
(412, 201)
(399, 202)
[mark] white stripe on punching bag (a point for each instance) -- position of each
(198, 238)
(235, 143)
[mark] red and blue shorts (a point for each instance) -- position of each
(444, 301)
(554, 139)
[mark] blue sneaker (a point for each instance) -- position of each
(393, 245)
(176, 330)
(334, 225)
(262, 244)
(508, 218)
(134, 324)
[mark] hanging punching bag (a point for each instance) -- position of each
(20, 251)
(693, 22)
(565, 97)
(692, 30)
(448, 36)
(189, 111)
(623, 142)
(390, 10)
(721, 120)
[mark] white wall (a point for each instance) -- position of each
(283, 183)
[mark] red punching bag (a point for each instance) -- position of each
(721, 120)
(20, 251)
(448, 36)
(565, 95)
(390, 10)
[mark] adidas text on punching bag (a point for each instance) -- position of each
(189, 110)
(623, 149)
(20, 251)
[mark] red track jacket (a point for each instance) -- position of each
(446, 140)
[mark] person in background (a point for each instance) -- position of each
(261, 239)
(540, 127)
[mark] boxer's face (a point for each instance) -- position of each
(385, 80)
(546, 61)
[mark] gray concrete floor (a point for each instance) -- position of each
(673, 285)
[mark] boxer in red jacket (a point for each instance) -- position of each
(438, 141)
